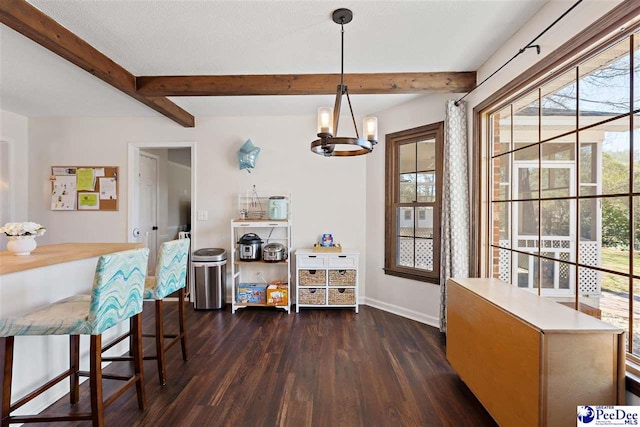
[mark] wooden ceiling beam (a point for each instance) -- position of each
(306, 84)
(32, 23)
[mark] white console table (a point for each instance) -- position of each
(326, 279)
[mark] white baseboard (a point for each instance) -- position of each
(401, 311)
(391, 308)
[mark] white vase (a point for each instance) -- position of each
(21, 245)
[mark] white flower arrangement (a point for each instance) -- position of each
(22, 229)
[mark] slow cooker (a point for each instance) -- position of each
(274, 252)
(250, 247)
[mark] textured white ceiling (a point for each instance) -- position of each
(157, 37)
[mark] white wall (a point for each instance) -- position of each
(14, 130)
(409, 298)
(328, 194)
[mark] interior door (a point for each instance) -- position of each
(148, 206)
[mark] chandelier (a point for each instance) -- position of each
(328, 143)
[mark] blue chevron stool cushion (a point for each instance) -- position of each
(116, 296)
(171, 270)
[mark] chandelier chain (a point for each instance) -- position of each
(342, 54)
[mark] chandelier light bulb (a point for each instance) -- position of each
(325, 121)
(370, 129)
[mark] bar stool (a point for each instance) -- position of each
(116, 296)
(170, 276)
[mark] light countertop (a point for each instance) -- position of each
(46, 255)
(541, 313)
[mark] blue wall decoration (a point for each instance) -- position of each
(247, 156)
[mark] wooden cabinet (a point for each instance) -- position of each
(528, 360)
(326, 279)
(245, 274)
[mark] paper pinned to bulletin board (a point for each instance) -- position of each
(86, 179)
(85, 188)
(88, 201)
(64, 194)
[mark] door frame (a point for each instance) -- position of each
(133, 169)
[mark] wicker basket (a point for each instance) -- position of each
(311, 277)
(315, 296)
(342, 277)
(342, 296)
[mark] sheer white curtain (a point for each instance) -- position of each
(454, 260)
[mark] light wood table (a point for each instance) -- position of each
(531, 361)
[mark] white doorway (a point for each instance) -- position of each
(146, 196)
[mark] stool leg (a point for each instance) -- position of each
(162, 374)
(130, 339)
(95, 381)
(74, 366)
(136, 338)
(6, 353)
(183, 332)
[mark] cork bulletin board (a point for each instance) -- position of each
(84, 188)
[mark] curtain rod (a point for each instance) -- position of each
(529, 45)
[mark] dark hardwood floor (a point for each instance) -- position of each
(261, 367)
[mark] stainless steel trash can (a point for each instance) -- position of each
(209, 268)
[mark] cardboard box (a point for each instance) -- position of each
(277, 295)
(252, 293)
